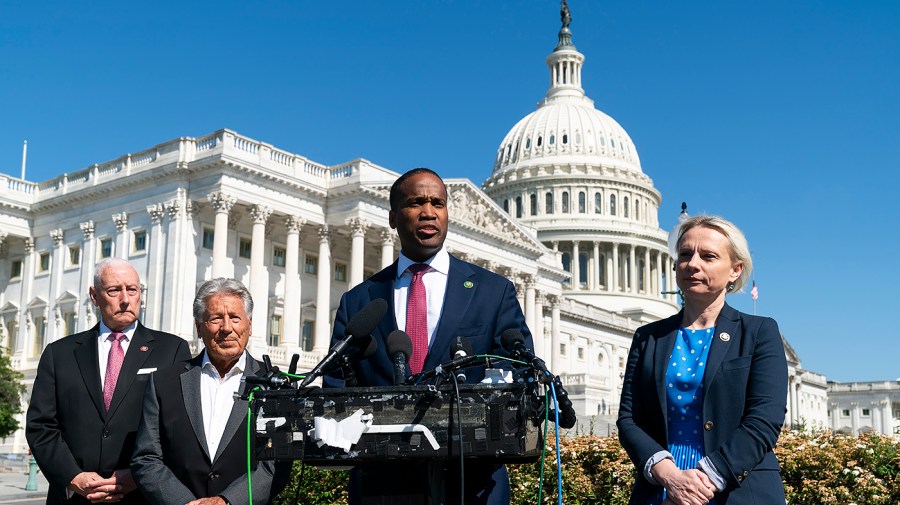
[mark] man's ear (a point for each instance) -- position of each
(392, 221)
(93, 293)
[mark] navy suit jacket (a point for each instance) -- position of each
(67, 427)
(744, 404)
(479, 313)
(478, 305)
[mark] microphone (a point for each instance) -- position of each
(355, 352)
(453, 364)
(460, 348)
(359, 327)
(513, 342)
(399, 348)
(266, 381)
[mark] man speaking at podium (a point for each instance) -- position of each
(434, 298)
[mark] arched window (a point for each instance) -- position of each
(624, 206)
(577, 138)
(528, 143)
(565, 203)
(582, 202)
(533, 204)
(566, 260)
(612, 205)
(552, 139)
(519, 207)
(637, 210)
(598, 203)
(602, 140)
(548, 202)
(612, 142)
(506, 206)
(540, 141)
(565, 138)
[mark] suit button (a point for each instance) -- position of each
(213, 476)
(106, 434)
(708, 425)
(745, 473)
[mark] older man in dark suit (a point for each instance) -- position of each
(88, 391)
(192, 445)
(435, 298)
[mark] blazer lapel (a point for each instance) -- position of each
(190, 391)
(662, 352)
(238, 410)
(728, 323)
(456, 304)
(89, 365)
(384, 288)
(139, 350)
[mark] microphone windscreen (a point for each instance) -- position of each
(367, 319)
(370, 348)
(510, 337)
(399, 341)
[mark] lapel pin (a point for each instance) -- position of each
(144, 348)
(724, 337)
(468, 284)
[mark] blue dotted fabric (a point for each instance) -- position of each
(684, 397)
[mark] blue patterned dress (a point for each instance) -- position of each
(684, 397)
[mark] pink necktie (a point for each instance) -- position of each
(417, 317)
(113, 365)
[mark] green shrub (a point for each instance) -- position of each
(818, 469)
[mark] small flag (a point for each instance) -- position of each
(754, 292)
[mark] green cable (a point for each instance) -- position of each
(292, 376)
(504, 358)
(544, 447)
(249, 414)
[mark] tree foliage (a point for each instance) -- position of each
(11, 391)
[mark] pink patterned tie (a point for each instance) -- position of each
(417, 317)
(113, 365)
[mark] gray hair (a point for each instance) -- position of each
(106, 264)
(737, 242)
(218, 286)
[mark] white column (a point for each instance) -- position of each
(172, 311)
(222, 203)
(358, 229)
(322, 336)
(595, 274)
(632, 267)
(615, 268)
(610, 286)
(575, 264)
(155, 259)
(24, 342)
(854, 417)
(292, 286)
(259, 279)
(556, 360)
(529, 302)
(520, 291)
(659, 255)
(387, 247)
(887, 425)
(647, 281)
(121, 220)
(55, 330)
(537, 332)
(88, 259)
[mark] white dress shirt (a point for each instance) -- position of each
(104, 345)
(217, 399)
(435, 280)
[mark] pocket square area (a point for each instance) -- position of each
(143, 371)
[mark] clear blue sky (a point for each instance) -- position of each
(782, 116)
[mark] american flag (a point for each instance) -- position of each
(754, 292)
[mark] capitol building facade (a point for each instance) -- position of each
(567, 214)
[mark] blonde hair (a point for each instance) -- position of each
(739, 250)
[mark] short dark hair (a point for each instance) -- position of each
(395, 187)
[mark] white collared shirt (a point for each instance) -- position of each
(217, 399)
(435, 280)
(104, 345)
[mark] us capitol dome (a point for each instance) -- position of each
(572, 174)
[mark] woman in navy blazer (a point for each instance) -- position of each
(704, 394)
